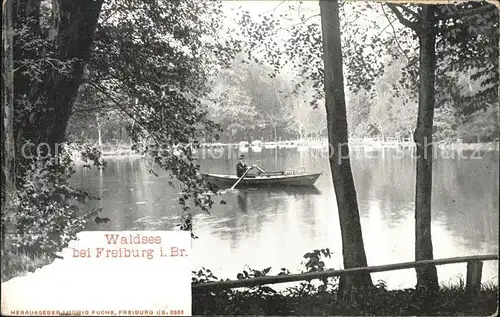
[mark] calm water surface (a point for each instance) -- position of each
(276, 227)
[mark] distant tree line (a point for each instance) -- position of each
(250, 105)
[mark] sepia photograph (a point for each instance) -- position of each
(280, 157)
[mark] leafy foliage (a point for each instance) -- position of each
(467, 52)
(307, 298)
(468, 41)
(96, 118)
(153, 61)
(376, 301)
(481, 126)
(19, 263)
(445, 124)
(150, 62)
(248, 103)
(47, 206)
(202, 276)
(314, 262)
(51, 46)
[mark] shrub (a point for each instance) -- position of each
(47, 209)
(315, 299)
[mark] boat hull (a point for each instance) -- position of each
(271, 179)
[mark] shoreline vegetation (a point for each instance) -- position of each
(121, 149)
(306, 301)
(309, 298)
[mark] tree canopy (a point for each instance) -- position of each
(149, 62)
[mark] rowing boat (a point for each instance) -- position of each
(268, 178)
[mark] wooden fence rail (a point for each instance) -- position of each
(473, 280)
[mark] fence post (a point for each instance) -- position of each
(474, 274)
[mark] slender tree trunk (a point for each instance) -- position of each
(99, 131)
(426, 276)
(99, 137)
(8, 147)
(353, 249)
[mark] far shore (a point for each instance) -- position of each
(459, 146)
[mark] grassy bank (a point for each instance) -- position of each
(306, 300)
(15, 264)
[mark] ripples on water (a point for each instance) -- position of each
(277, 226)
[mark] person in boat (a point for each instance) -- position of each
(241, 167)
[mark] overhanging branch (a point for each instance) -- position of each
(394, 31)
(310, 17)
(272, 10)
(410, 12)
(302, 21)
(118, 104)
(412, 25)
(388, 25)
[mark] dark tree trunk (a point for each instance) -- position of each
(73, 26)
(353, 249)
(8, 147)
(426, 276)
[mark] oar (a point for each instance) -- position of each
(244, 174)
(260, 169)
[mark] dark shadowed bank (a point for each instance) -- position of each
(317, 298)
(15, 264)
(305, 300)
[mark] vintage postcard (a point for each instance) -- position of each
(176, 158)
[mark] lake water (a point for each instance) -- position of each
(277, 226)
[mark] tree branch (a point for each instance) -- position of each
(310, 17)
(301, 22)
(272, 10)
(412, 25)
(394, 31)
(277, 95)
(117, 103)
(410, 12)
(388, 25)
(298, 13)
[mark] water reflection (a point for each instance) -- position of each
(280, 190)
(276, 226)
(243, 201)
